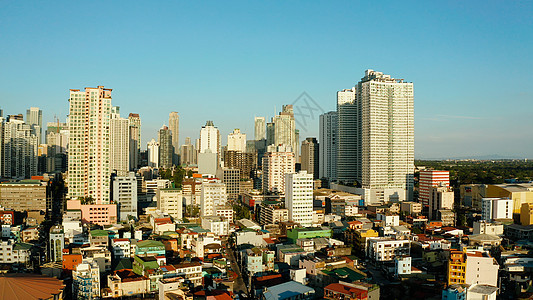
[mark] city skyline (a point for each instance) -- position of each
(424, 48)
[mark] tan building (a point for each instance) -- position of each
(24, 195)
(520, 193)
(411, 207)
(526, 214)
(170, 201)
(277, 162)
(471, 194)
(439, 198)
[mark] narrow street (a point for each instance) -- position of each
(239, 285)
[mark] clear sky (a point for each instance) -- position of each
(229, 61)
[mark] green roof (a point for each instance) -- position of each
(124, 263)
(149, 243)
(345, 273)
(99, 232)
(22, 246)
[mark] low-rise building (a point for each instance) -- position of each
(121, 248)
(125, 282)
(86, 280)
(410, 207)
(288, 291)
(484, 227)
(216, 224)
(344, 291)
(385, 249)
(190, 271)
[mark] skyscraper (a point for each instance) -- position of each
(34, 118)
(209, 150)
(174, 126)
(328, 146)
(19, 150)
(237, 141)
(187, 152)
(165, 147)
(88, 155)
(376, 137)
(135, 140)
(299, 197)
(429, 179)
(119, 143)
(270, 134)
(348, 152)
(310, 157)
(259, 128)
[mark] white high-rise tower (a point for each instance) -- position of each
(88, 155)
(119, 143)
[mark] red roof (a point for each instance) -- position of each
(344, 289)
(268, 240)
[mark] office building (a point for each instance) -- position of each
(328, 146)
(496, 208)
(232, 179)
(382, 249)
(520, 193)
(119, 143)
(153, 154)
(34, 118)
(299, 197)
(237, 141)
(135, 140)
(429, 179)
(174, 126)
(88, 155)
(242, 161)
(24, 195)
(165, 147)
(309, 159)
(125, 195)
(472, 267)
(209, 149)
(278, 161)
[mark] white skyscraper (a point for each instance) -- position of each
(153, 154)
(88, 157)
(260, 128)
(299, 197)
(119, 143)
(285, 132)
(348, 152)
(376, 137)
(209, 150)
(34, 118)
(174, 126)
(328, 145)
(237, 141)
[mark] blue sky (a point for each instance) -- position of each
(231, 61)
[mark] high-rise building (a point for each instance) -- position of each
(170, 201)
(299, 197)
(237, 141)
(165, 147)
(119, 143)
(88, 154)
(135, 140)
(243, 161)
(270, 134)
(260, 127)
(153, 154)
(376, 137)
(328, 146)
(278, 161)
(187, 153)
(174, 126)
(209, 150)
(429, 179)
(232, 179)
(125, 195)
(348, 148)
(34, 118)
(19, 150)
(285, 132)
(310, 160)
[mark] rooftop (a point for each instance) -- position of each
(29, 286)
(286, 290)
